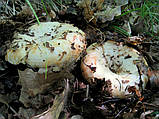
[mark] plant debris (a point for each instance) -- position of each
(125, 22)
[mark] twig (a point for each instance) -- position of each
(87, 91)
(142, 116)
(67, 87)
(121, 111)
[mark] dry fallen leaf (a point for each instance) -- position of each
(58, 106)
(154, 78)
(88, 11)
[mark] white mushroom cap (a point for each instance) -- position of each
(116, 64)
(52, 43)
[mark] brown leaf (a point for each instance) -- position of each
(133, 89)
(154, 78)
(57, 107)
(99, 4)
(88, 11)
(135, 40)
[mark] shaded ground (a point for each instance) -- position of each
(95, 105)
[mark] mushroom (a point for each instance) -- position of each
(119, 66)
(52, 47)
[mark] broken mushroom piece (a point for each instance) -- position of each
(52, 47)
(120, 66)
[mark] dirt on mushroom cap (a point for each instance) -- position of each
(114, 63)
(52, 43)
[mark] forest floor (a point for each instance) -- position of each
(95, 104)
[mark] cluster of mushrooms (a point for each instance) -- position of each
(55, 47)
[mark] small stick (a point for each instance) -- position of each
(87, 91)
